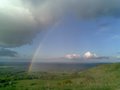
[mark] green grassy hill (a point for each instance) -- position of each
(103, 77)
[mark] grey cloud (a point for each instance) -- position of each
(102, 57)
(7, 53)
(98, 58)
(14, 35)
(118, 52)
(98, 8)
(21, 20)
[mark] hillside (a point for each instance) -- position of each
(103, 77)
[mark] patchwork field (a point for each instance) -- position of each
(102, 77)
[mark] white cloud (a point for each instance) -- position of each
(86, 56)
(89, 55)
(72, 56)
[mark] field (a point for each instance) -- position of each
(102, 77)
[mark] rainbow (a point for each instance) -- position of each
(37, 52)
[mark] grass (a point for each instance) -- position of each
(103, 77)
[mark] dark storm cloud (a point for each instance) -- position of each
(21, 20)
(7, 53)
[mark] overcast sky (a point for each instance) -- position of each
(60, 29)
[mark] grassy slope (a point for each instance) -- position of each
(104, 77)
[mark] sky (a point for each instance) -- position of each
(60, 30)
